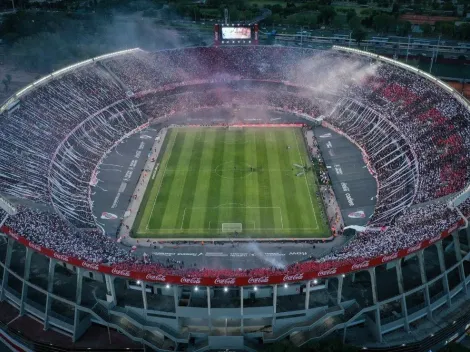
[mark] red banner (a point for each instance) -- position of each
(235, 281)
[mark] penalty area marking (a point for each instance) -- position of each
(222, 206)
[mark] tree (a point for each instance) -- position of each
(383, 22)
(277, 9)
(327, 13)
(445, 28)
(454, 347)
(358, 34)
(350, 14)
(426, 28)
(383, 3)
(354, 23)
(404, 28)
(276, 18)
(464, 31)
(6, 82)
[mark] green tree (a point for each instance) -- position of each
(454, 347)
(383, 22)
(213, 3)
(6, 82)
(277, 9)
(464, 31)
(350, 14)
(354, 22)
(276, 18)
(327, 13)
(404, 28)
(358, 34)
(426, 28)
(445, 28)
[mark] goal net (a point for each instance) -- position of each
(232, 227)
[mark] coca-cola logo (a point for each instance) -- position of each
(61, 257)
(328, 272)
(34, 246)
(387, 258)
(414, 249)
(121, 272)
(229, 281)
(152, 277)
(258, 280)
(92, 266)
(362, 265)
(435, 239)
(190, 280)
(293, 277)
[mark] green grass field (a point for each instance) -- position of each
(213, 182)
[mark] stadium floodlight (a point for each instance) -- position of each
(7, 206)
(460, 198)
(139, 282)
(196, 288)
(286, 285)
(315, 281)
(255, 288)
(167, 286)
(225, 289)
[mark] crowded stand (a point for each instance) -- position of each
(415, 134)
(389, 155)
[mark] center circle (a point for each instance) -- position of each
(234, 170)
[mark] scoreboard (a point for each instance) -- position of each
(235, 34)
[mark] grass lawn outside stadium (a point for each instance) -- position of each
(229, 183)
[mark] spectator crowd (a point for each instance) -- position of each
(415, 133)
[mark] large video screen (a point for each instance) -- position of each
(236, 33)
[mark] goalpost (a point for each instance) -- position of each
(232, 227)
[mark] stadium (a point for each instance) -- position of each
(235, 197)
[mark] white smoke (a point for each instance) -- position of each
(260, 254)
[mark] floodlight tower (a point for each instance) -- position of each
(8, 208)
(226, 16)
(459, 199)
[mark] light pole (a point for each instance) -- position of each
(435, 52)
(408, 48)
(350, 35)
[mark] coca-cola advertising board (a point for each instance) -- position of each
(230, 281)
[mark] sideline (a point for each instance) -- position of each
(144, 179)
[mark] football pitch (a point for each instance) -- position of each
(229, 183)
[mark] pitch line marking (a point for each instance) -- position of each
(232, 206)
(182, 221)
(208, 228)
(306, 183)
(282, 222)
(161, 181)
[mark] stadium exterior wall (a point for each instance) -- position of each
(261, 313)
